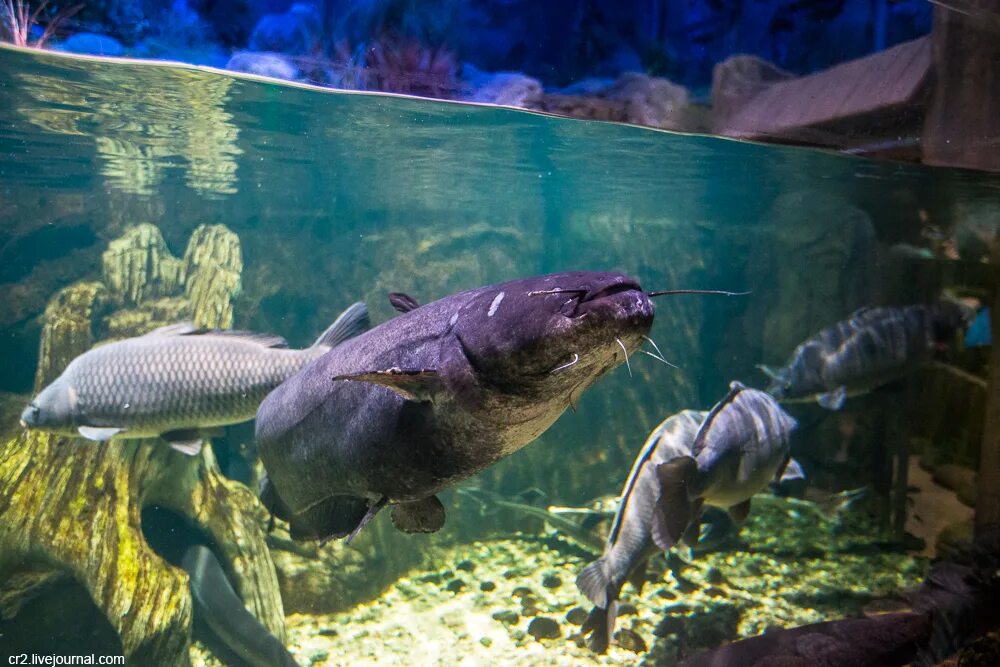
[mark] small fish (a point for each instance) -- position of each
(563, 525)
(874, 346)
(175, 382)
(721, 458)
(220, 610)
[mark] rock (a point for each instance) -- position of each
(543, 627)
(465, 566)
(273, 65)
(627, 609)
(716, 592)
(138, 266)
(70, 318)
(669, 625)
(714, 576)
(712, 626)
(522, 592)
(213, 264)
(92, 43)
(738, 78)
(506, 616)
(630, 641)
(455, 585)
(576, 615)
(487, 586)
(486, 641)
(551, 581)
(295, 32)
(651, 101)
(512, 89)
(958, 478)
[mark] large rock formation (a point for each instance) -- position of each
(73, 510)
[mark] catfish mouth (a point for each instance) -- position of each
(622, 299)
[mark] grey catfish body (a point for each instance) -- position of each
(438, 393)
(219, 609)
(721, 457)
(175, 381)
(873, 346)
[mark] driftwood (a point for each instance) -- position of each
(73, 509)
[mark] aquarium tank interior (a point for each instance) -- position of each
(497, 332)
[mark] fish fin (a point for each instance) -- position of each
(188, 329)
(692, 534)
(419, 385)
(404, 303)
(612, 617)
(739, 513)
(596, 626)
(373, 509)
(772, 372)
(833, 400)
(637, 577)
(187, 447)
(350, 323)
(673, 511)
(791, 471)
(100, 433)
(332, 518)
(178, 329)
(593, 582)
(420, 516)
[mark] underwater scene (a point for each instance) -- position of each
(297, 376)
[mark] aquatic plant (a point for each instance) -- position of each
(17, 21)
(396, 64)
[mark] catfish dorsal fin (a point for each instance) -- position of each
(404, 303)
(350, 323)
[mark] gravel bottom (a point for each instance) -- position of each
(514, 602)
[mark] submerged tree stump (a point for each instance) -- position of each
(74, 509)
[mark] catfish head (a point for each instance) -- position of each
(551, 337)
(523, 351)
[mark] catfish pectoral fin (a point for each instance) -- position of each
(673, 512)
(420, 516)
(413, 384)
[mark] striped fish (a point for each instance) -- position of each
(176, 382)
(721, 458)
(873, 346)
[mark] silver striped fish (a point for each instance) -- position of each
(721, 458)
(176, 382)
(872, 347)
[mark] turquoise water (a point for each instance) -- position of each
(336, 197)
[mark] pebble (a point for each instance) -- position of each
(666, 594)
(576, 615)
(465, 566)
(508, 616)
(486, 641)
(522, 591)
(716, 592)
(487, 586)
(627, 609)
(455, 585)
(543, 627)
(669, 625)
(630, 641)
(714, 576)
(551, 581)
